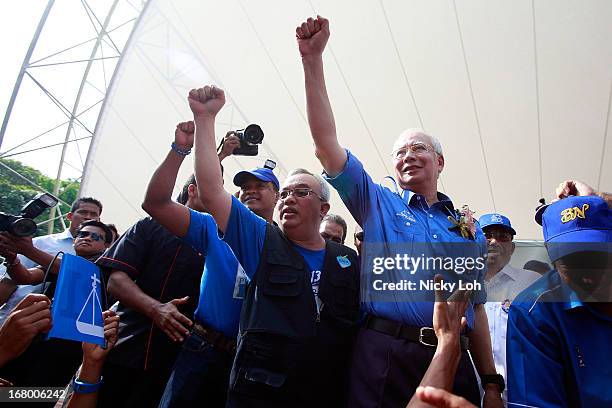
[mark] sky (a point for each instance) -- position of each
(18, 22)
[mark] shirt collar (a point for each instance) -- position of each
(509, 271)
(573, 301)
(411, 198)
(65, 235)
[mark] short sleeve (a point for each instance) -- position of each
(129, 253)
(355, 187)
(200, 226)
(245, 234)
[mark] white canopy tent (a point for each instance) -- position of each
(518, 92)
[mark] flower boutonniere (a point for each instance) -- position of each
(463, 221)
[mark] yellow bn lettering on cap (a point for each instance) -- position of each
(570, 214)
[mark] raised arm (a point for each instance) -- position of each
(312, 36)
(205, 103)
(158, 199)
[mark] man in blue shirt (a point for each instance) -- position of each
(399, 225)
(302, 304)
(201, 371)
(559, 328)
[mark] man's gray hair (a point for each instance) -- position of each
(324, 186)
(336, 219)
(434, 140)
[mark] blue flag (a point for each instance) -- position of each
(76, 312)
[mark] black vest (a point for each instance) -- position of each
(284, 344)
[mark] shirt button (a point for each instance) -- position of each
(430, 216)
(435, 236)
(418, 197)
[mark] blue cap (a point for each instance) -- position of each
(489, 220)
(261, 173)
(577, 224)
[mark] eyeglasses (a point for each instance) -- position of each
(92, 235)
(417, 148)
(359, 235)
(337, 239)
(299, 193)
(500, 236)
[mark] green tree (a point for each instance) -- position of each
(15, 192)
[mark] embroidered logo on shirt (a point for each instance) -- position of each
(570, 214)
(406, 216)
(343, 261)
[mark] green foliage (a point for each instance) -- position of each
(15, 192)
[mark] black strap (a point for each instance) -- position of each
(423, 335)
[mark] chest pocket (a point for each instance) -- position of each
(282, 278)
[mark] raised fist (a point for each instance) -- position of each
(183, 135)
(312, 36)
(573, 188)
(206, 101)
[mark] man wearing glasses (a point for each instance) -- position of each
(503, 282)
(302, 304)
(333, 227)
(396, 344)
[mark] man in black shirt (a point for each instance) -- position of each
(155, 276)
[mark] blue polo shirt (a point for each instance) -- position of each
(401, 223)
(223, 280)
(558, 349)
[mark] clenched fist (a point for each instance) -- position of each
(312, 36)
(206, 101)
(183, 135)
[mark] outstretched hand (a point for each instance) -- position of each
(183, 135)
(449, 314)
(206, 101)
(312, 36)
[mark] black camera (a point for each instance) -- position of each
(23, 225)
(249, 137)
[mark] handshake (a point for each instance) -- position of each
(205, 103)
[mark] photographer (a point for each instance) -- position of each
(92, 239)
(41, 250)
(52, 362)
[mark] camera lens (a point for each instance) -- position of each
(23, 227)
(253, 134)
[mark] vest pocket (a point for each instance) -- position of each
(282, 283)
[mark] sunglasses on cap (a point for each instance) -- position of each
(94, 236)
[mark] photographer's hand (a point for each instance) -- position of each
(230, 143)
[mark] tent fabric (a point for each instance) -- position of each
(517, 92)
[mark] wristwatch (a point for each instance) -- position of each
(494, 379)
(86, 388)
